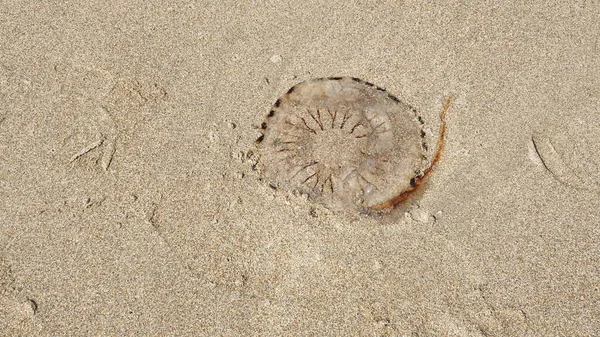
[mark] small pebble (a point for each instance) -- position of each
(275, 58)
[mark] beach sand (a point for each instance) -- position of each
(130, 205)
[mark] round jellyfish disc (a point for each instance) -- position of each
(344, 142)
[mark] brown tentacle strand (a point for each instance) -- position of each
(418, 180)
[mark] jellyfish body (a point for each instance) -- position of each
(344, 142)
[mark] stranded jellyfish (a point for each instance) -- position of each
(347, 144)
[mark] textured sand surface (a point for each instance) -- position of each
(129, 204)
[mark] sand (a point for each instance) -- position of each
(129, 205)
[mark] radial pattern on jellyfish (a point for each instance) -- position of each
(344, 142)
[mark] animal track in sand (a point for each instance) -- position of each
(346, 143)
(110, 108)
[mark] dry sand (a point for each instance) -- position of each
(129, 206)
